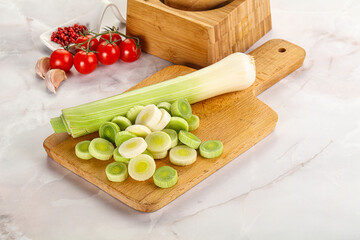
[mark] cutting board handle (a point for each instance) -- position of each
(275, 60)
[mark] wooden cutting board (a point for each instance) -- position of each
(238, 119)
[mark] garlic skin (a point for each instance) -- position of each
(42, 67)
(53, 78)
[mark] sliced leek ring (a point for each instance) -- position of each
(158, 141)
(123, 136)
(149, 116)
(189, 139)
(101, 149)
(211, 149)
(177, 124)
(118, 158)
(82, 150)
(141, 167)
(116, 171)
(133, 112)
(108, 130)
(193, 122)
(181, 108)
(122, 122)
(165, 177)
(173, 135)
(164, 120)
(139, 130)
(132, 147)
(164, 105)
(182, 155)
(159, 155)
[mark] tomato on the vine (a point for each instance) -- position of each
(114, 38)
(61, 59)
(108, 53)
(85, 62)
(93, 43)
(129, 51)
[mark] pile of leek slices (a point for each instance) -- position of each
(147, 133)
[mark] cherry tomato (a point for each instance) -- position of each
(108, 53)
(85, 62)
(128, 50)
(61, 59)
(114, 37)
(93, 43)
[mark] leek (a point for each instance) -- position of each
(233, 73)
(189, 139)
(165, 177)
(194, 122)
(141, 167)
(211, 149)
(182, 155)
(116, 172)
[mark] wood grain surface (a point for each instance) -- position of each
(197, 38)
(238, 119)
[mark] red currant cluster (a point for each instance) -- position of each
(67, 35)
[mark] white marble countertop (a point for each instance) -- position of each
(300, 182)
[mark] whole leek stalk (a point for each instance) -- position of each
(233, 73)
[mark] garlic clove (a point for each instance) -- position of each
(53, 78)
(42, 66)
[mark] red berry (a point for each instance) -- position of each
(66, 35)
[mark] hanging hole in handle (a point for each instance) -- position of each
(282, 50)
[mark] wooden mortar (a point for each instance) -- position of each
(197, 38)
(196, 5)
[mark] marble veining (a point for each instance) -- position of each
(300, 182)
